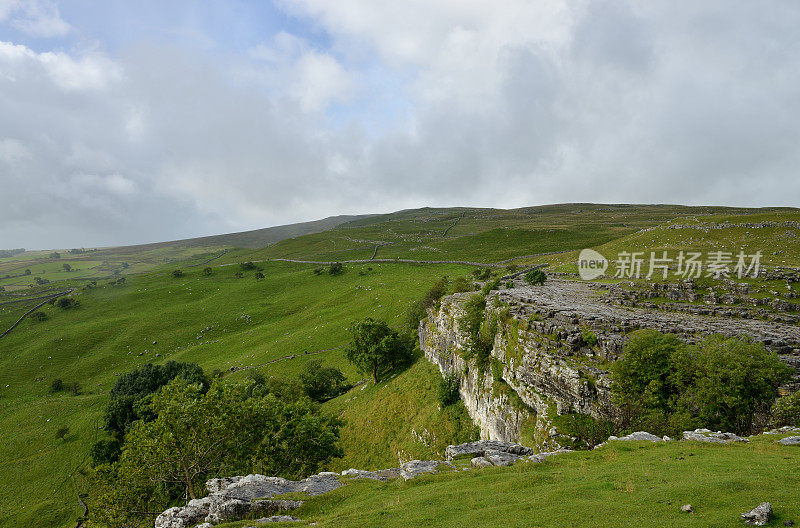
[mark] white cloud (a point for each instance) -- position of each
(38, 18)
(502, 104)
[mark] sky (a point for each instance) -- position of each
(129, 122)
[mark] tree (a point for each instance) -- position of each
(39, 316)
(336, 269)
(128, 399)
(62, 432)
(66, 267)
(247, 266)
(238, 274)
(57, 385)
(259, 275)
(377, 349)
(535, 276)
(208, 272)
(55, 255)
(322, 383)
(66, 303)
(125, 265)
(447, 390)
(177, 273)
(786, 410)
(197, 436)
(27, 272)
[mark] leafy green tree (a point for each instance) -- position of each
(57, 385)
(535, 276)
(177, 273)
(197, 436)
(66, 303)
(129, 396)
(377, 349)
(66, 267)
(336, 269)
(322, 383)
(55, 255)
(732, 382)
(247, 266)
(39, 316)
(27, 272)
(259, 275)
(62, 432)
(208, 272)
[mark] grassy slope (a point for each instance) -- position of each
(290, 312)
(621, 485)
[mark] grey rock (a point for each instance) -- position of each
(789, 440)
(541, 457)
(360, 473)
(501, 458)
(480, 462)
(278, 518)
(480, 447)
(415, 468)
(640, 436)
(704, 435)
(687, 508)
(758, 516)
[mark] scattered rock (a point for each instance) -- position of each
(415, 468)
(758, 516)
(783, 430)
(278, 518)
(500, 458)
(360, 473)
(788, 523)
(704, 435)
(687, 508)
(639, 436)
(789, 440)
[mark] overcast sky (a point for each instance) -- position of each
(125, 122)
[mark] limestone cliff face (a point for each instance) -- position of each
(552, 350)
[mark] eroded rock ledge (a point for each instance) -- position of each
(553, 348)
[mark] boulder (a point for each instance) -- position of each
(480, 462)
(704, 435)
(480, 447)
(360, 473)
(758, 516)
(639, 436)
(501, 458)
(789, 440)
(687, 508)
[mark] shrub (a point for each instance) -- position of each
(57, 385)
(462, 284)
(489, 286)
(482, 273)
(509, 284)
(27, 272)
(318, 271)
(74, 388)
(322, 383)
(259, 275)
(39, 316)
(40, 280)
(247, 266)
(336, 269)
(447, 390)
(497, 369)
(238, 274)
(177, 273)
(721, 383)
(480, 330)
(66, 303)
(786, 410)
(535, 276)
(62, 432)
(586, 430)
(589, 337)
(208, 272)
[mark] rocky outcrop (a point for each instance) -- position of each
(234, 498)
(552, 350)
(758, 516)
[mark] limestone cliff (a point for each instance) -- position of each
(552, 349)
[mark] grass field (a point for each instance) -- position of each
(621, 485)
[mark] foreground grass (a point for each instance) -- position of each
(619, 485)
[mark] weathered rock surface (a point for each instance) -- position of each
(236, 497)
(789, 440)
(783, 430)
(758, 516)
(637, 436)
(704, 435)
(480, 462)
(479, 448)
(554, 343)
(415, 468)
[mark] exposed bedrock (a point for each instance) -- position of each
(554, 345)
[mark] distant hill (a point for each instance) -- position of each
(257, 238)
